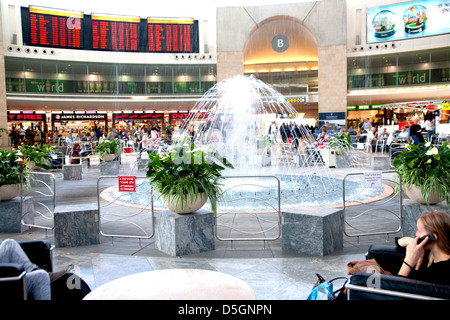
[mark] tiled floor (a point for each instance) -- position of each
(274, 274)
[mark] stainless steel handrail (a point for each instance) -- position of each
(278, 210)
(118, 235)
(52, 193)
(397, 193)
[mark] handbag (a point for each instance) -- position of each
(323, 289)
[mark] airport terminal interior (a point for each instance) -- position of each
(289, 119)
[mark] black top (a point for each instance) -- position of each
(438, 272)
(415, 130)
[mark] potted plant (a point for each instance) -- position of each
(37, 156)
(186, 177)
(108, 149)
(12, 169)
(340, 143)
(424, 170)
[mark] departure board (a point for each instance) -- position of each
(170, 35)
(54, 28)
(60, 28)
(115, 33)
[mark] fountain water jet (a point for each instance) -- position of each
(234, 117)
(239, 112)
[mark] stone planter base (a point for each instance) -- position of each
(76, 225)
(11, 215)
(179, 235)
(110, 167)
(72, 171)
(313, 230)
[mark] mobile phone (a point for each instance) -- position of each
(430, 236)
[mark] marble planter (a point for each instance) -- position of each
(72, 171)
(311, 231)
(414, 193)
(76, 225)
(9, 191)
(110, 167)
(186, 205)
(184, 234)
(13, 211)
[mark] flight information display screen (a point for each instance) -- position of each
(115, 33)
(53, 28)
(170, 35)
(75, 30)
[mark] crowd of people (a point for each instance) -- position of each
(290, 132)
(83, 142)
(368, 133)
(29, 136)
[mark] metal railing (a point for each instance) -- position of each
(136, 221)
(261, 216)
(394, 150)
(381, 215)
(41, 188)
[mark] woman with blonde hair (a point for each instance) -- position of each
(428, 254)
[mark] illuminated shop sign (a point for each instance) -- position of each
(12, 117)
(413, 19)
(187, 115)
(79, 117)
(138, 116)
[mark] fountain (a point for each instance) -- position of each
(234, 117)
(271, 177)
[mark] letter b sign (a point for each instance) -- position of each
(280, 43)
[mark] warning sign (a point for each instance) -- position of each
(372, 179)
(127, 184)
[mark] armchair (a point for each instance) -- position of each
(392, 287)
(12, 275)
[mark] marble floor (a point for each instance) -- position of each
(273, 274)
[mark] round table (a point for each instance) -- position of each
(174, 284)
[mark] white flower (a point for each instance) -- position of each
(428, 144)
(432, 151)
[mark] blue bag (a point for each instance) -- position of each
(323, 290)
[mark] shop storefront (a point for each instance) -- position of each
(176, 119)
(398, 115)
(31, 121)
(77, 123)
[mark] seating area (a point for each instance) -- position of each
(40, 252)
(362, 285)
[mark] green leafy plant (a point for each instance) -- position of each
(187, 171)
(39, 154)
(107, 146)
(264, 141)
(12, 167)
(340, 143)
(425, 166)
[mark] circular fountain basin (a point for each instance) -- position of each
(261, 194)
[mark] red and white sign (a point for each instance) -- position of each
(127, 184)
(373, 180)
